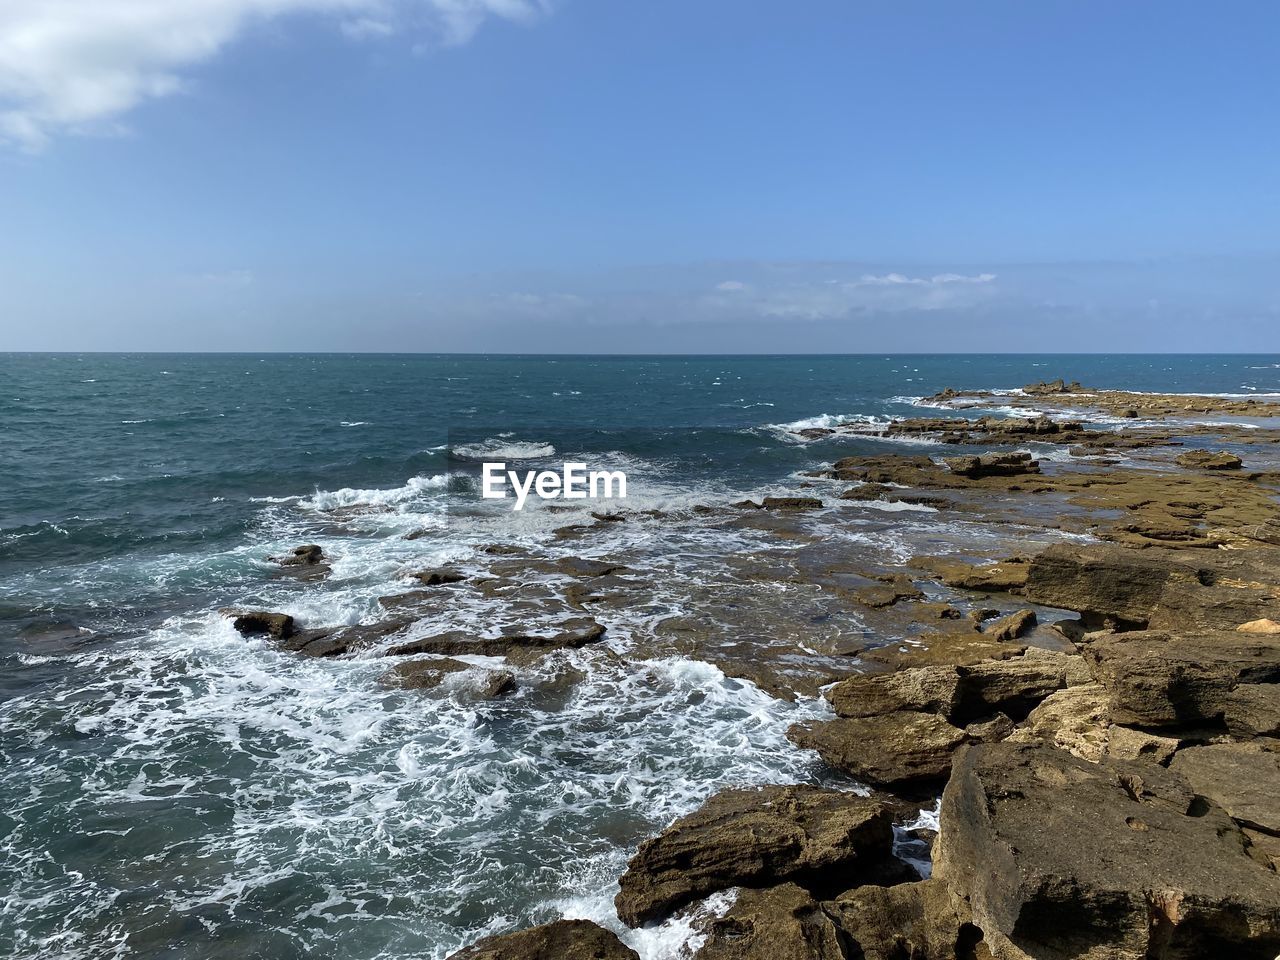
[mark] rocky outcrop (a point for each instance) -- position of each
(1162, 679)
(961, 694)
(777, 923)
(993, 465)
(791, 503)
(904, 750)
(278, 626)
(1013, 626)
(1242, 778)
(1058, 857)
(438, 576)
(1253, 710)
(575, 633)
(910, 921)
(307, 562)
(1209, 460)
(756, 838)
(1003, 577)
(562, 940)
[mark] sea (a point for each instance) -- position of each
(171, 789)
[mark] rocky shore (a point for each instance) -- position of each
(1095, 700)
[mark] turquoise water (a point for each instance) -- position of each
(172, 790)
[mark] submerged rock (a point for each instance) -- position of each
(755, 838)
(438, 576)
(578, 632)
(562, 940)
(307, 561)
(1058, 857)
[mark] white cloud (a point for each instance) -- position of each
(79, 65)
(731, 286)
(896, 279)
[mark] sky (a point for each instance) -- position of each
(656, 176)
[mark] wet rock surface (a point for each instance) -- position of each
(754, 838)
(562, 940)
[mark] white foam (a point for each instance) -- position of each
(348, 497)
(503, 449)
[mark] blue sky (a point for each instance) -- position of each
(601, 175)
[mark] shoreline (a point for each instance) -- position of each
(1107, 779)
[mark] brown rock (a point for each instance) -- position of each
(1161, 679)
(1057, 857)
(754, 838)
(792, 503)
(421, 674)
(991, 577)
(1259, 626)
(903, 749)
(778, 923)
(1209, 460)
(250, 623)
(1244, 778)
(572, 635)
(562, 940)
(438, 576)
(1253, 710)
(1013, 626)
(993, 465)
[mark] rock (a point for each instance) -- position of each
(422, 674)
(778, 923)
(1127, 589)
(1253, 710)
(992, 465)
(910, 921)
(1106, 582)
(992, 577)
(562, 940)
(902, 749)
(1243, 778)
(960, 694)
(791, 503)
(335, 641)
(1057, 857)
(1160, 679)
(923, 689)
(942, 649)
(278, 626)
(1044, 387)
(586, 569)
(1015, 685)
(307, 562)
(1127, 743)
(307, 555)
(1259, 626)
(497, 683)
(755, 838)
(1076, 719)
(1264, 848)
(879, 595)
(438, 576)
(1209, 460)
(573, 634)
(989, 730)
(1013, 626)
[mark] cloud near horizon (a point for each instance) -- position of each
(78, 66)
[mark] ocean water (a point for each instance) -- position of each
(171, 789)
